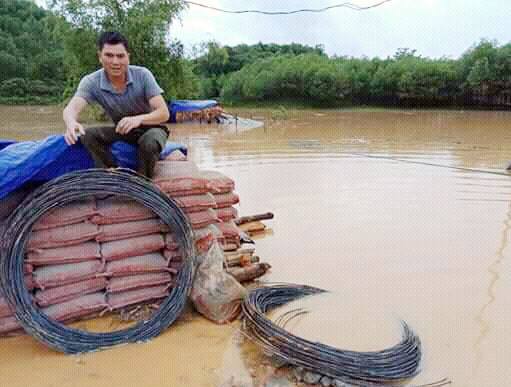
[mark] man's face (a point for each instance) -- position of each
(115, 59)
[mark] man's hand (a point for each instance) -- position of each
(127, 123)
(70, 116)
(73, 131)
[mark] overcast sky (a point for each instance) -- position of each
(435, 28)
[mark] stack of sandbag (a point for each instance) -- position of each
(92, 256)
(207, 197)
(67, 260)
(240, 262)
(65, 235)
(132, 242)
(222, 188)
(183, 182)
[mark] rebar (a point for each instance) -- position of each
(392, 366)
(59, 192)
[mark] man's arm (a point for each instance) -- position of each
(70, 115)
(159, 114)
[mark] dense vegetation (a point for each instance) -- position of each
(44, 53)
(213, 65)
(481, 76)
(31, 56)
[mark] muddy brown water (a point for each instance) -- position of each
(397, 213)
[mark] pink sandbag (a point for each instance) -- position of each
(132, 247)
(184, 186)
(203, 218)
(195, 203)
(204, 238)
(58, 275)
(77, 307)
(170, 255)
(74, 212)
(217, 234)
(117, 209)
(229, 229)
(204, 233)
(226, 200)
(113, 232)
(28, 268)
(72, 234)
(71, 254)
(181, 189)
(122, 284)
(5, 309)
(29, 281)
(179, 178)
(215, 293)
(68, 292)
(170, 242)
(204, 245)
(227, 213)
(148, 263)
(218, 182)
(8, 325)
(166, 170)
(119, 300)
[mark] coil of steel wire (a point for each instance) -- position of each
(63, 190)
(392, 366)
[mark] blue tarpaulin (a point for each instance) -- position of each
(39, 161)
(186, 106)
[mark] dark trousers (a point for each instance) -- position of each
(150, 140)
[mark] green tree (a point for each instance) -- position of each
(145, 23)
(213, 63)
(9, 65)
(28, 52)
(478, 66)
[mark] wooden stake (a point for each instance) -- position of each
(253, 227)
(253, 218)
(249, 273)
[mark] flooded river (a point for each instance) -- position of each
(402, 215)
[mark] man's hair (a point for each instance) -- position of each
(112, 37)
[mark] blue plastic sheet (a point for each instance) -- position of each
(40, 161)
(186, 105)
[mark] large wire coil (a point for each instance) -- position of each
(59, 192)
(392, 366)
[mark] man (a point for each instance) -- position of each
(130, 96)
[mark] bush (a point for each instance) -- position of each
(14, 87)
